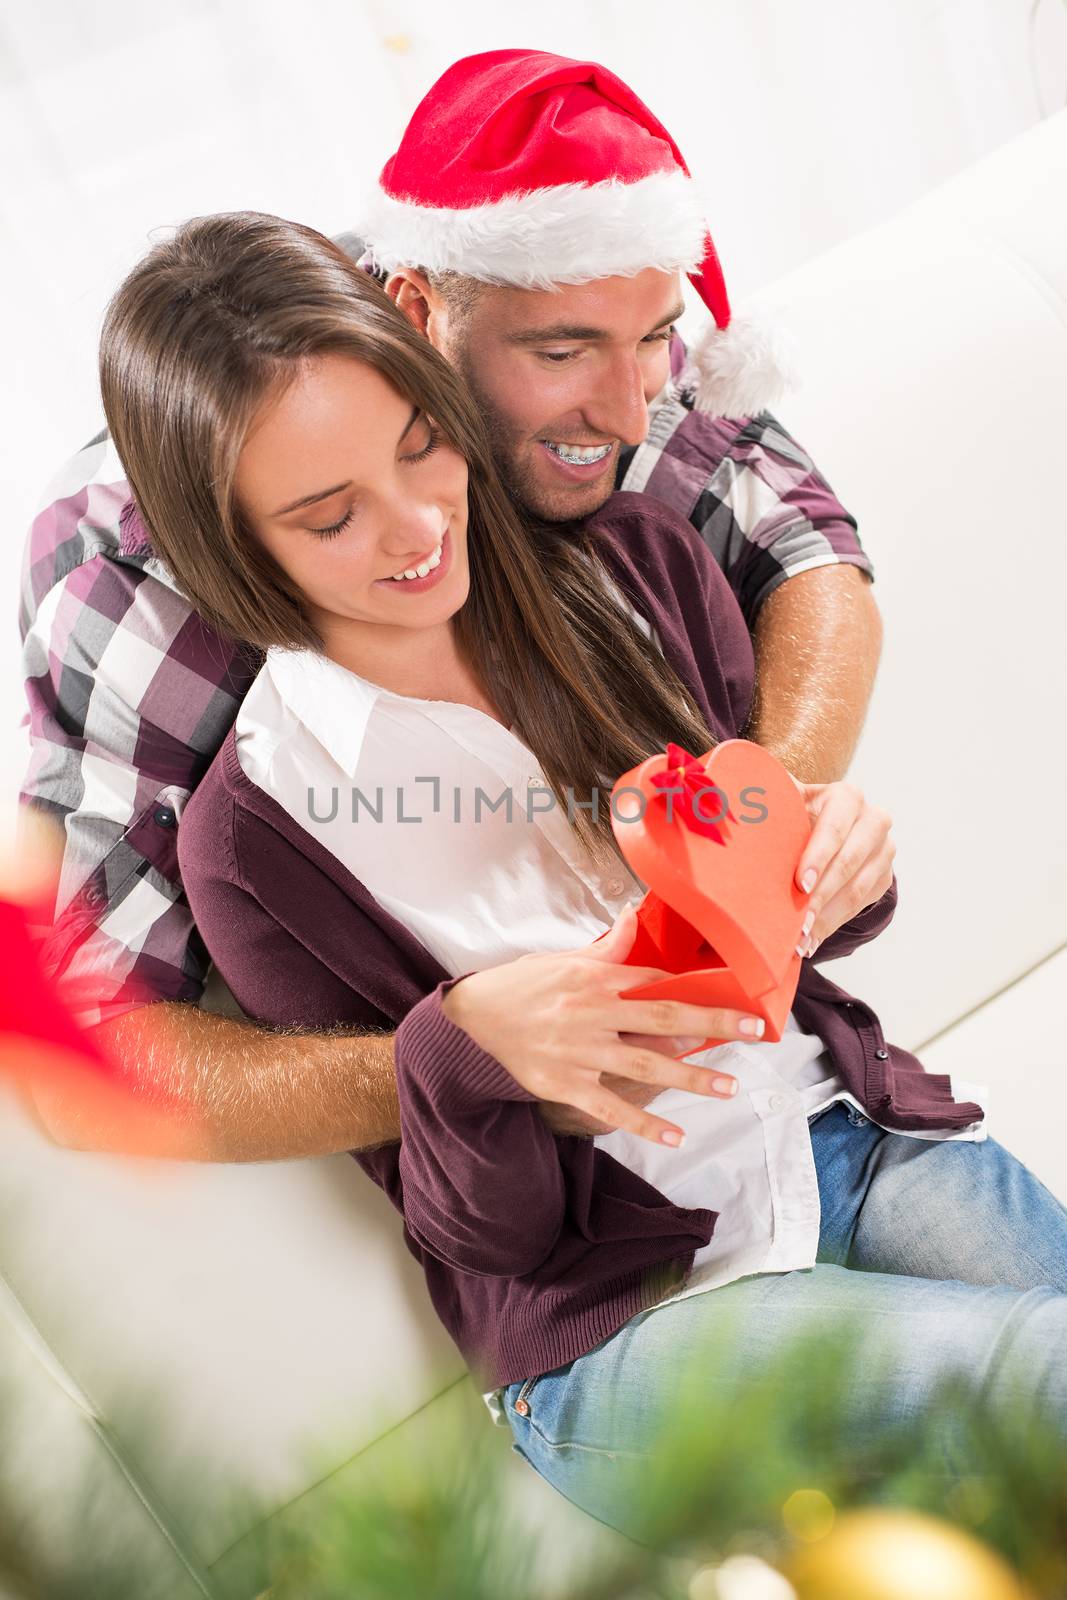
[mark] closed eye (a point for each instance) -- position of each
(432, 441)
(557, 357)
(334, 529)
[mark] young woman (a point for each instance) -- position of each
(316, 480)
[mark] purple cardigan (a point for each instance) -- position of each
(536, 1247)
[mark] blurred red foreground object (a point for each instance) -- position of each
(61, 1071)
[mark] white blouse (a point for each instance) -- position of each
(413, 797)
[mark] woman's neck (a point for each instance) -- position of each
(423, 663)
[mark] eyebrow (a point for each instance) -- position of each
(324, 494)
(563, 331)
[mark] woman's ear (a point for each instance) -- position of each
(410, 290)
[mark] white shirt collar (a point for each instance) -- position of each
(333, 703)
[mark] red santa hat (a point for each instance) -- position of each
(532, 170)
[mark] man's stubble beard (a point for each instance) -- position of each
(517, 477)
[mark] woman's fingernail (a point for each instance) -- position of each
(753, 1026)
(725, 1085)
(671, 1137)
(807, 882)
(807, 924)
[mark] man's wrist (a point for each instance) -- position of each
(568, 1121)
(799, 760)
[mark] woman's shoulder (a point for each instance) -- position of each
(668, 573)
(658, 554)
(641, 533)
(634, 519)
(226, 809)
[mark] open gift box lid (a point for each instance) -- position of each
(717, 840)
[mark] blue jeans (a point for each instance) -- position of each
(952, 1253)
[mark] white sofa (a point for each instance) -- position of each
(275, 1304)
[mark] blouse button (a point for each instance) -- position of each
(776, 1102)
(882, 1055)
(165, 817)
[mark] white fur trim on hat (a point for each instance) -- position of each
(741, 370)
(573, 233)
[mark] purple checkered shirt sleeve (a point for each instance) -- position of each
(130, 695)
(751, 491)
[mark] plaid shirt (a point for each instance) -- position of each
(131, 694)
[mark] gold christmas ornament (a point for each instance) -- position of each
(809, 1514)
(884, 1553)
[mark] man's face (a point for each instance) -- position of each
(563, 378)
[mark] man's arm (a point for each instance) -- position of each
(228, 1090)
(785, 544)
(818, 639)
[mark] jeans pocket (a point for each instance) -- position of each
(521, 1402)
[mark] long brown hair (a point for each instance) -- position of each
(209, 323)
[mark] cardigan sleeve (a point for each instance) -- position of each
(860, 929)
(482, 1181)
(275, 979)
(272, 973)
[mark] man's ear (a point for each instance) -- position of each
(410, 290)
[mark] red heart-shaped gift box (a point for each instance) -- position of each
(717, 840)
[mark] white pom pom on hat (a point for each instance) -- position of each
(533, 170)
(742, 370)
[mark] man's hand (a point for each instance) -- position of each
(847, 863)
(565, 1119)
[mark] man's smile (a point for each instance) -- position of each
(578, 461)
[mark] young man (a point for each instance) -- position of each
(565, 338)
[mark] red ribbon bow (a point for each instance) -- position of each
(699, 804)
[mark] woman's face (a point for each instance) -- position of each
(348, 486)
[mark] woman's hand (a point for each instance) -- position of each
(557, 1023)
(849, 858)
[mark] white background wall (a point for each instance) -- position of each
(805, 120)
